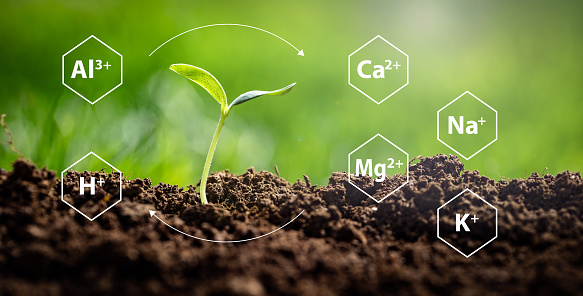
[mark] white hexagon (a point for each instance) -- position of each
(111, 206)
(484, 244)
(360, 189)
(450, 147)
(363, 92)
(79, 94)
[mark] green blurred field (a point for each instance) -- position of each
(521, 57)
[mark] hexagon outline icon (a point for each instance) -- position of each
(63, 70)
(444, 143)
(362, 92)
(111, 206)
(483, 245)
(403, 151)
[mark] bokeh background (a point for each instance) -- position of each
(521, 57)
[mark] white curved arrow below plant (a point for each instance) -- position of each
(153, 214)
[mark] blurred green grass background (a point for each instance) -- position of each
(521, 57)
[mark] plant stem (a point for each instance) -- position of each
(10, 140)
(209, 158)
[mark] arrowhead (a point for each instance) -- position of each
(301, 52)
(152, 213)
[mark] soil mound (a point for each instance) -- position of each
(343, 243)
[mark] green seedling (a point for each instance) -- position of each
(213, 87)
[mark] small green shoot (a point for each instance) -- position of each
(213, 87)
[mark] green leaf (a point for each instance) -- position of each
(250, 95)
(204, 79)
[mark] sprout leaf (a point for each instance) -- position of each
(250, 95)
(204, 79)
(212, 85)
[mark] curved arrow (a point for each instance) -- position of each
(153, 213)
(300, 52)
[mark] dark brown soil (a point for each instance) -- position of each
(91, 205)
(344, 243)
